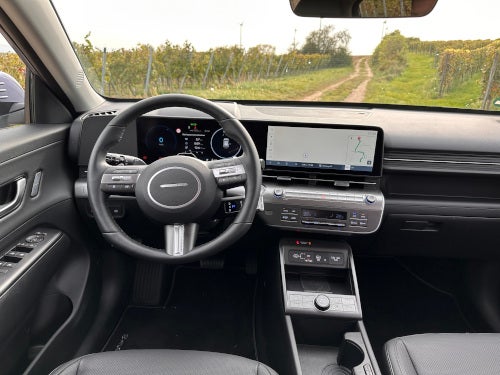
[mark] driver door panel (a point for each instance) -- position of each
(41, 248)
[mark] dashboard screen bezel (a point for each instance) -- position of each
(258, 130)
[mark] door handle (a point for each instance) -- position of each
(10, 206)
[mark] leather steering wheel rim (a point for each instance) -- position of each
(112, 135)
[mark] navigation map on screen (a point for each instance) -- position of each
(321, 148)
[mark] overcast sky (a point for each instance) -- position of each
(213, 23)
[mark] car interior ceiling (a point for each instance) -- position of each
(304, 267)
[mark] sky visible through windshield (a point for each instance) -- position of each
(260, 50)
(214, 23)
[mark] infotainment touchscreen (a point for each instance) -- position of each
(337, 150)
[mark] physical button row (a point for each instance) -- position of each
(118, 188)
(18, 254)
(234, 180)
(358, 223)
(229, 171)
(123, 171)
(224, 163)
(337, 303)
(289, 218)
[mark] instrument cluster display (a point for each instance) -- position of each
(203, 138)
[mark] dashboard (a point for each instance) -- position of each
(289, 150)
(317, 177)
(434, 175)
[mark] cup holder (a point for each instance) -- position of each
(350, 354)
(335, 370)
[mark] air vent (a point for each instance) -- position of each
(441, 163)
(100, 114)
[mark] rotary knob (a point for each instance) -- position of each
(370, 199)
(322, 302)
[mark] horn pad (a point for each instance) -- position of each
(178, 190)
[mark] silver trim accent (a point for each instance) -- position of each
(441, 161)
(180, 238)
(179, 184)
(323, 198)
(11, 206)
(181, 205)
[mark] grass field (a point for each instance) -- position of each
(284, 88)
(418, 85)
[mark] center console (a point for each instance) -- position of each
(323, 179)
(322, 209)
(323, 308)
(318, 279)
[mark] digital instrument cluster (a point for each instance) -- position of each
(204, 139)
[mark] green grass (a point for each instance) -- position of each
(284, 88)
(418, 85)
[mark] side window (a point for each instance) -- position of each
(12, 73)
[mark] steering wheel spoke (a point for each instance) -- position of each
(180, 238)
(120, 180)
(229, 172)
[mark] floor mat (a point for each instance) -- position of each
(208, 310)
(396, 303)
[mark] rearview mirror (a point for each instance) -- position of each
(362, 8)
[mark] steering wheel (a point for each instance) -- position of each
(179, 192)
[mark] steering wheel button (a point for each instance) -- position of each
(121, 178)
(222, 180)
(124, 171)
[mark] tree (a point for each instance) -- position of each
(326, 41)
(390, 56)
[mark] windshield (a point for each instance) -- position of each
(259, 50)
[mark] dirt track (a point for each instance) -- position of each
(358, 94)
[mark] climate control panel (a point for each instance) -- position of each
(323, 209)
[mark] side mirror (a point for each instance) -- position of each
(11, 101)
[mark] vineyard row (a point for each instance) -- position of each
(460, 61)
(145, 71)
